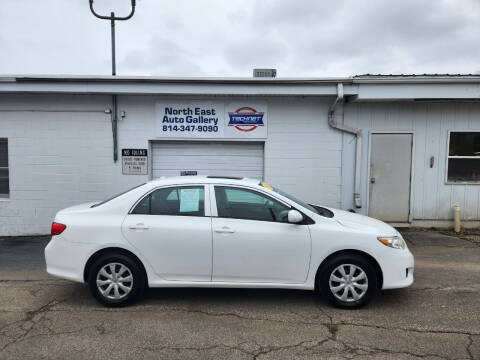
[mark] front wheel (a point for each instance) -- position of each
(348, 281)
(116, 280)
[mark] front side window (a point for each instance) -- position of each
(177, 201)
(4, 173)
(246, 204)
(464, 157)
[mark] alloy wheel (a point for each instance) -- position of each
(348, 282)
(114, 281)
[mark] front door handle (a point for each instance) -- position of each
(372, 180)
(224, 230)
(139, 227)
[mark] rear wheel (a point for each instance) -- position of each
(116, 280)
(348, 281)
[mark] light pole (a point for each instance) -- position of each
(114, 116)
(112, 19)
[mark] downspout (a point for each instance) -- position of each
(114, 118)
(358, 136)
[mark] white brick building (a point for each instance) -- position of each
(418, 153)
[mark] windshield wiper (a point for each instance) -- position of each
(322, 211)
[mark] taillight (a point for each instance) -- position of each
(57, 228)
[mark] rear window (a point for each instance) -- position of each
(116, 196)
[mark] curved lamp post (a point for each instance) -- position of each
(112, 19)
(114, 116)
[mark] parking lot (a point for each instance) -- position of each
(437, 318)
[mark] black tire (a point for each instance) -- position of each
(137, 285)
(360, 264)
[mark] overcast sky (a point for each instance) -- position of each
(231, 37)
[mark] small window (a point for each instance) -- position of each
(246, 204)
(177, 201)
(4, 173)
(464, 157)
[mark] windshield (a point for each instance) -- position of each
(293, 198)
(114, 197)
(313, 208)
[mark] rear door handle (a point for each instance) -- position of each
(224, 230)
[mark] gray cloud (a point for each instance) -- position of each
(376, 36)
(255, 51)
(161, 57)
(229, 38)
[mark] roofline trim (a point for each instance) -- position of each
(182, 80)
(358, 79)
(363, 88)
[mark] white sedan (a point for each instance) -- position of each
(224, 232)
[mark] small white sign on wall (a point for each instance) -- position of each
(134, 162)
(204, 119)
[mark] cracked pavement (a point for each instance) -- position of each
(437, 318)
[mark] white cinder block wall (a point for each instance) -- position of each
(303, 154)
(60, 152)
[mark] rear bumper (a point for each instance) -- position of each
(65, 259)
(397, 269)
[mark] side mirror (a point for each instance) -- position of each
(295, 217)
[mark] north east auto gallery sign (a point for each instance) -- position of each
(203, 119)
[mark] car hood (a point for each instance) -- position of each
(362, 222)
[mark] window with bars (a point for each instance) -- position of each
(464, 158)
(4, 183)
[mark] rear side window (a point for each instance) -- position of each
(176, 201)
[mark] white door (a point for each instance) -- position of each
(252, 242)
(390, 170)
(171, 228)
(242, 159)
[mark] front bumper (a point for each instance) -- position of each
(397, 268)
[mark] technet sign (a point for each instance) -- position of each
(246, 119)
(213, 120)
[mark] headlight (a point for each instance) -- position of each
(395, 242)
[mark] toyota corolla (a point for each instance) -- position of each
(224, 232)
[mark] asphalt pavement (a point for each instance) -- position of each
(437, 318)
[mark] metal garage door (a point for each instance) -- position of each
(244, 159)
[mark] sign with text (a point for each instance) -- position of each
(213, 120)
(246, 120)
(189, 200)
(134, 162)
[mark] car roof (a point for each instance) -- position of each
(205, 179)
